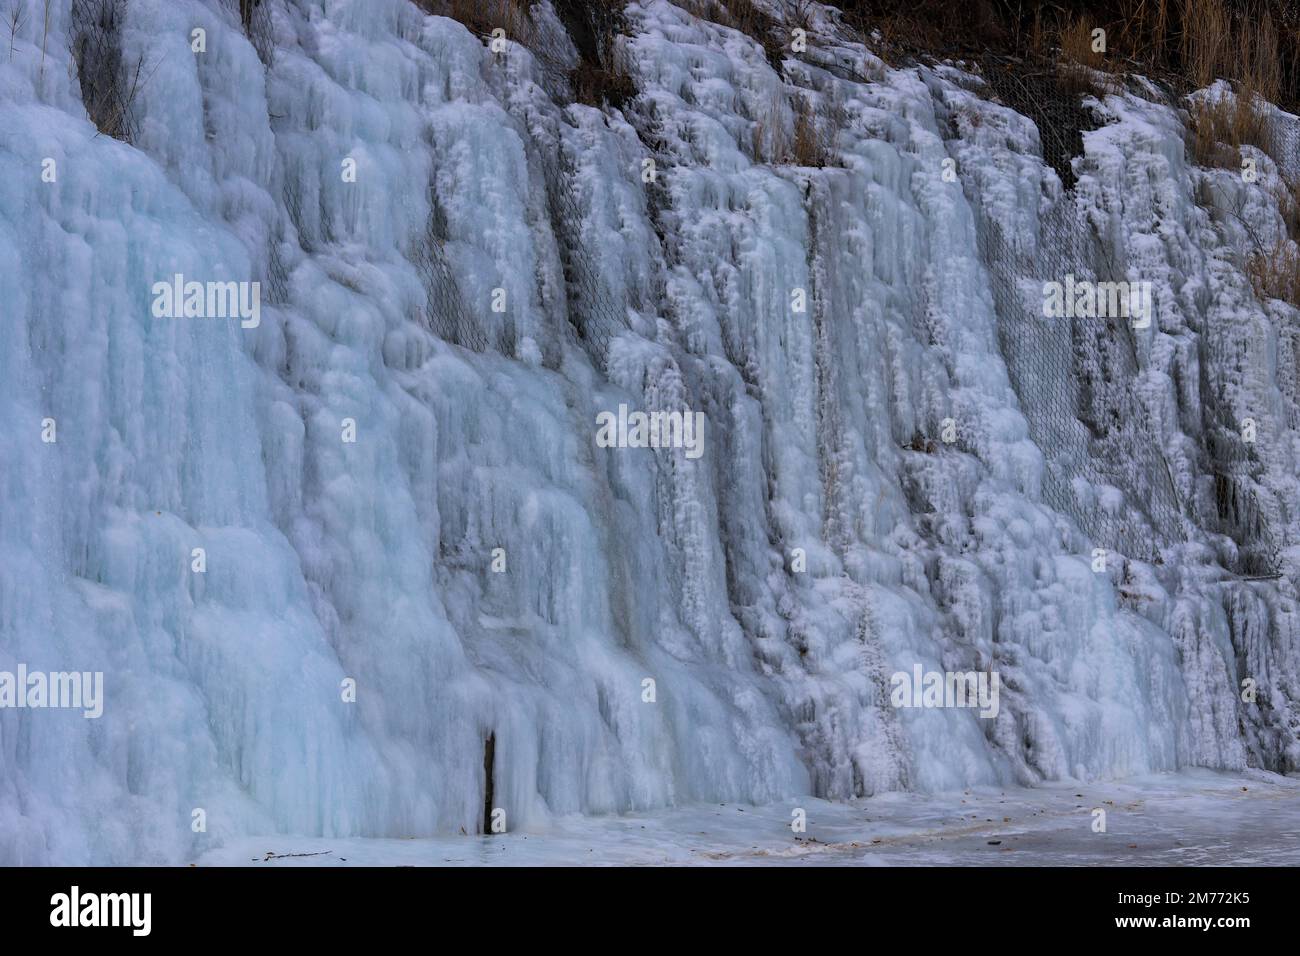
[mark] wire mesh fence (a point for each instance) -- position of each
(1045, 356)
(1244, 515)
(109, 84)
(1076, 377)
(594, 315)
(445, 313)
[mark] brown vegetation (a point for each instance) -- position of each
(808, 149)
(1221, 126)
(1275, 273)
(484, 16)
(599, 79)
(1187, 43)
(109, 84)
(744, 16)
(1081, 59)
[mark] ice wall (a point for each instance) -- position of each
(372, 560)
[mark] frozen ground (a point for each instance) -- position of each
(1194, 818)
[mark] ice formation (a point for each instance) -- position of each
(460, 269)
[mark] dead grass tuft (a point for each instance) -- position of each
(1220, 126)
(481, 17)
(1081, 66)
(1275, 273)
(605, 82)
(808, 148)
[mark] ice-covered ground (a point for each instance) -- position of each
(461, 269)
(1192, 818)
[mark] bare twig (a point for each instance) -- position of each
(16, 21)
(271, 855)
(45, 36)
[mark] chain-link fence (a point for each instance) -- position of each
(1244, 515)
(445, 312)
(594, 313)
(1076, 377)
(1050, 362)
(255, 18)
(109, 84)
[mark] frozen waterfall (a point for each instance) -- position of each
(322, 558)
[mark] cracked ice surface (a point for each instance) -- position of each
(369, 560)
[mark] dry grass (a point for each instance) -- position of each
(481, 17)
(808, 148)
(1218, 45)
(770, 142)
(1145, 29)
(1288, 200)
(744, 16)
(1207, 28)
(1221, 126)
(600, 78)
(605, 82)
(1246, 47)
(1258, 59)
(797, 13)
(805, 146)
(109, 84)
(1275, 273)
(1037, 41)
(1081, 68)
(1185, 43)
(1077, 45)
